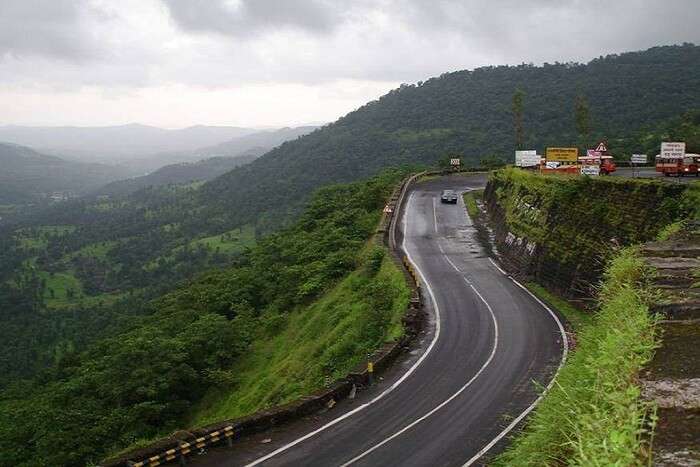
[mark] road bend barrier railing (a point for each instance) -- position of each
(185, 448)
(183, 444)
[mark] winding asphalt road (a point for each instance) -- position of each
(490, 346)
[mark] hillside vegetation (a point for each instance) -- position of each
(563, 230)
(593, 414)
(149, 374)
(466, 113)
(28, 176)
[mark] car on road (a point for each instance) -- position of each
(448, 196)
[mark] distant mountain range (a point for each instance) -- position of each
(209, 162)
(145, 148)
(114, 144)
(27, 175)
(258, 143)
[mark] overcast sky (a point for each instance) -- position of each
(175, 63)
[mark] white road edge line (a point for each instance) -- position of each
(434, 216)
(453, 396)
(393, 386)
(565, 352)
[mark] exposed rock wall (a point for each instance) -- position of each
(560, 231)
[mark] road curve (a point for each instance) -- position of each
(490, 346)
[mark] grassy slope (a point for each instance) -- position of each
(593, 415)
(577, 318)
(318, 344)
(233, 241)
(470, 198)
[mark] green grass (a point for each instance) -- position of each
(96, 250)
(593, 416)
(470, 198)
(577, 318)
(229, 243)
(233, 241)
(315, 345)
(60, 283)
(670, 230)
(36, 238)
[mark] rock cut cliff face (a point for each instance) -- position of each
(560, 231)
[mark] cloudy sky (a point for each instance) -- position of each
(175, 63)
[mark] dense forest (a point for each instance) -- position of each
(467, 113)
(142, 374)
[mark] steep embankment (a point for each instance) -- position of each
(310, 299)
(562, 231)
(465, 112)
(593, 415)
(572, 235)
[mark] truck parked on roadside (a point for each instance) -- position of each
(674, 166)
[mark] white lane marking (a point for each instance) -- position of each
(434, 215)
(449, 399)
(565, 352)
(393, 386)
(498, 267)
(452, 264)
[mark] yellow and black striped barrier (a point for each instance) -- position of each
(185, 448)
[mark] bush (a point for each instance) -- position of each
(593, 415)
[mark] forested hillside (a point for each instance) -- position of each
(466, 113)
(28, 176)
(143, 374)
(182, 173)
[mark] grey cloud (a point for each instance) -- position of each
(43, 27)
(244, 18)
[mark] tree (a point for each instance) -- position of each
(518, 98)
(582, 117)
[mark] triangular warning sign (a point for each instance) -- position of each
(601, 147)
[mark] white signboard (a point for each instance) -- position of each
(454, 162)
(638, 159)
(528, 158)
(552, 164)
(672, 150)
(592, 170)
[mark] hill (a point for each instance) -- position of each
(27, 175)
(110, 143)
(466, 113)
(184, 172)
(253, 144)
(119, 375)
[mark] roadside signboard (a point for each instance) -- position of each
(638, 159)
(454, 162)
(593, 153)
(591, 170)
(528, 158)
(672, 150)
(602, 147)
(552, 164)
(562, 154)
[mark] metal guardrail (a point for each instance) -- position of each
(186, 448)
